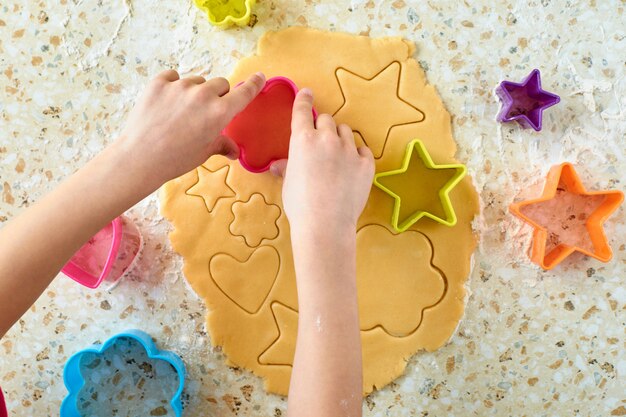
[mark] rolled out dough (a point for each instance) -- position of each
(232, 232)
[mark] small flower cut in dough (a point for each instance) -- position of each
(255, 220)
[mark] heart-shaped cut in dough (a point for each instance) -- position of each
(246, 283)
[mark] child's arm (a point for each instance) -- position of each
(174, 127)
(327, 183)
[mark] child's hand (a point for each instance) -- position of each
(176, 124)
(327, 179)
(174, 127)
(327, 182)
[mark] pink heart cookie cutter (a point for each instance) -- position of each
(107, 256)
(257, 156)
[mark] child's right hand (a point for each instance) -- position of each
(327, 179)
(176, 124)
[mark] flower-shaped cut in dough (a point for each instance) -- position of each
(126, 366)
(255, 220)
(401, 278)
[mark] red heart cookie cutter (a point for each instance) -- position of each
(263, 129)
(106, 256)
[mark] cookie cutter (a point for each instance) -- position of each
(525, 101)
(444, 192)
(3, 406)
(74, 381)
(566, 174)
(268, 114)
(225, 13)
(107, 255)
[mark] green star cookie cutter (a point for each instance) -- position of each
(444, 192)
(225, 13)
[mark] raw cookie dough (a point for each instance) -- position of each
(411, 292)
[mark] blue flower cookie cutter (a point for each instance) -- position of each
(74, 381)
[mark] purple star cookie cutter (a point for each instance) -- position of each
(525, 101)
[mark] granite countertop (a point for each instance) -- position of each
(532, 342)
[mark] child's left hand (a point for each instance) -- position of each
(176, 124)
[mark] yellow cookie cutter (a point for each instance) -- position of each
(225, 13)
(444, 192)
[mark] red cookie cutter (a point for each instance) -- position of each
(263, 129)
(3, 407)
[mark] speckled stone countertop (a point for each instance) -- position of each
(531, 343)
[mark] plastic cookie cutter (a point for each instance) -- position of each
(107, 255)
(3, 407)
(572, 218)
(225, 13)
(74, 371)
(525, 101)
(263, 129)
(420, 188)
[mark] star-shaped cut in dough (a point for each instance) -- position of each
(567, 218)
(420, 188)
(282, 349)
(211, 186)
(371, 107)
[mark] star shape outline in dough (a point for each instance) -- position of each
(532, 90)
(444, 192)
(566, 174)
(203, 172)
(398, 67)
(285, 333)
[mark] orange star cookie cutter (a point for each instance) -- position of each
(566, 175)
